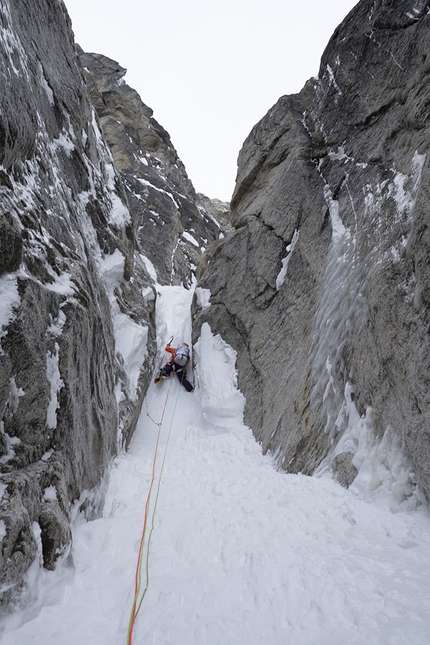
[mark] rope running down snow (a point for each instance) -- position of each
(138, 575)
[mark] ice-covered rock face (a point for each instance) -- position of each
(324, 287)
(64, 224)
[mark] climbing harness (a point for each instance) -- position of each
(140, 594)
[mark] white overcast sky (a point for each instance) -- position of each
(210, 69)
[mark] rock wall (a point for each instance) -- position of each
(172, 226)
(82, 216)
(323, 288)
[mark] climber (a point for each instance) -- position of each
(178, 364)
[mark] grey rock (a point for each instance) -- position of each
(331, 185)
(218, 209)
(344, 469)
(23, 504)
(10, 244)
(171, 225)
(241, 275)
(55, 532)
(66, 403)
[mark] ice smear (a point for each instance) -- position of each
(145, 182)
(119, 214)
(405, 199)
(56, 383)
(337, 303)
(333, 82)
(2, 530)
(190, 238)
(9, 443)
(131, 343)
(15, 393)
(283, 272)
(63, 142)
(130, 337)
(13, 48)
(173, 270)
(57, 324)
(9, 300)
(45, 85)
(240, 553)
(203, 297)
(343, 306)
(63, 284)
(149, 267)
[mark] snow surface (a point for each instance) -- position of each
(241, 554)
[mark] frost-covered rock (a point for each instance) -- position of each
(217, 208)
(323, 289)
(172, 227)
(57, 402)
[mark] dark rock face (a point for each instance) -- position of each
(172, 227)
(75, 281)
(61, 385)
(323, 287)
(218, 209)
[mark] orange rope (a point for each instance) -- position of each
(138, 573)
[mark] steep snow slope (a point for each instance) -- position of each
(240, 553)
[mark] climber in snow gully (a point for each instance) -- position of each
(178, 364)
